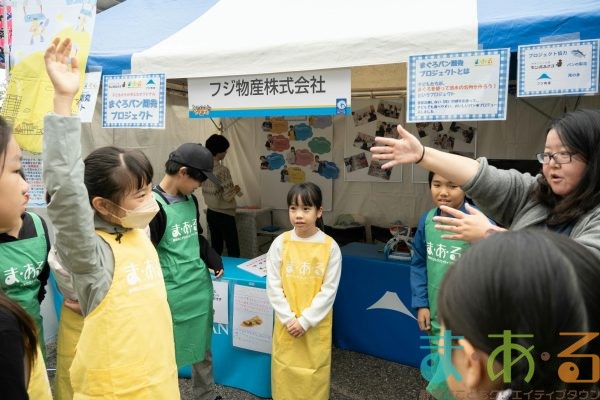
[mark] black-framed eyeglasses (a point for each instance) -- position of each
(560, 157)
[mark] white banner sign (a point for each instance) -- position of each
(221, 302)
(325, 92)
(89, 94)
(252, 319)
(133, 101)
(558, 68)
(460, 86)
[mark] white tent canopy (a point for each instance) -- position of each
(212, 38)
(266, 36)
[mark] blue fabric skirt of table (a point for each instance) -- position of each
(372, 312)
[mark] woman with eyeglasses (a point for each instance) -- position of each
(564, 198)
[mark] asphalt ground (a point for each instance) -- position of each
(354, 376)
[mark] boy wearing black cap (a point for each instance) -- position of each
(185, 257)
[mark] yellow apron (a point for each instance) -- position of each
(39, 386)
(301, 367)
(126, 348)
(69, 330)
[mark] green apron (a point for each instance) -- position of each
(187, 280)
(441, 254)
(21, 262)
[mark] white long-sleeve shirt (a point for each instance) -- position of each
(322, 302)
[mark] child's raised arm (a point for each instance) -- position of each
(63, 169)
(63, 71)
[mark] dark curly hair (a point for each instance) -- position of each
(579, 131)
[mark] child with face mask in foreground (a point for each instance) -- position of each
(99, 208)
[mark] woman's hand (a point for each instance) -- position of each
(468, 227)
(405, 150)
(63, 71)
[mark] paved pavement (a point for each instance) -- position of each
(354, 376)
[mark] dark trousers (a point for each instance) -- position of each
(222, 228)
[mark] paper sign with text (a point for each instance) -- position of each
(558, 68)
(256, 266)
(133, 101)
(252, 319)
(459, 86)
(221, 302)
(89, 94)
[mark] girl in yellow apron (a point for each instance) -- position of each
(69, 327)
(99, 210)
(303, 273)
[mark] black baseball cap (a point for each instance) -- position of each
(195, 156)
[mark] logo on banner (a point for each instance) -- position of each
(201, 110)
(340, 106)
(391, 301)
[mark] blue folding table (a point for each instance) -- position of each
(372, 312)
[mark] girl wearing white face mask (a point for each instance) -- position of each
(99, 208)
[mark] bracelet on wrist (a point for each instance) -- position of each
(422, 155)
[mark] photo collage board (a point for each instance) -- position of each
(295, 150)
(371, 118)
(452, 137)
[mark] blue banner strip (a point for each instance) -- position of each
(266, 112)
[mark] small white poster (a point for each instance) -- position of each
(220, 302)
(256, 266)
(89, 94)
(558, 68)
(252, 319)
(459, 86)
(34, 25)
(31, 165)
(133, 101)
